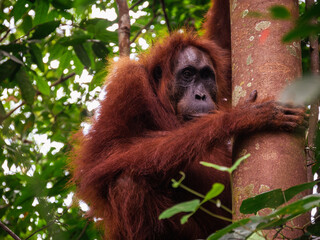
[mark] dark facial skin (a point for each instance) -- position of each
(195, 86)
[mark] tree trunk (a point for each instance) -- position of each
(261, 61)
(124, 28)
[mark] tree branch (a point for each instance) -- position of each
(44, 227)
(8, 230)
(5, 35)
(63, 79)
(134, 5)
(165, 15)
(12, 111)
(145, 27)
(314, 109)
(83, 230)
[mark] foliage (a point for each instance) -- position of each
(305, 26)
(194, 205)
(52, 65)
(275, 200)
(277, 220)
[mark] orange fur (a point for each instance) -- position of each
(124, 166)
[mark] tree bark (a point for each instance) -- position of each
(124, 28)
(260, 61)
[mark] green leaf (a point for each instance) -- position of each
(43, 30)
(78, 37)
(257, 236)
(81, 5)
(185, 218)
(26, 23)
(27, 91)
(43, 86)
(291, 192)
(271, 199)
(13, 47)
(100, 49)
(279, 12)
(98, 79)
(19, 9)
(314, 229)
(57, 108)
(98, 28)
(65, 61)
(24, 197)
(216, 189)
(57, 51)
(82, 55)
(311, 13)
(107, 36)
(59, 186)
(2, 112)
(62, 4)
(41, 10)
(78, 65)
(237, 163)
(219, 234)
(298, 207)
(189, 206)
(36, 54)
(301, 31)
(7, 69)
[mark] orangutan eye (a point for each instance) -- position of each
(188, 73)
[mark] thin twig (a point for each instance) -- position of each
(44, 227)
(13, 110)
(145, 27)
(215, 215)
(202, 196)
(8, 230)
(165, 15)
(134, 5)
(62, 79)
(4, 37)
(277, 233)
(83, 230)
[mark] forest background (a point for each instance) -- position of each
(52, 67)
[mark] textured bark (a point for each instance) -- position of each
(261, 61)
(124, 28)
